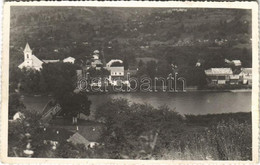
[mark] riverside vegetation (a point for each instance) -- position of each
(140, 131)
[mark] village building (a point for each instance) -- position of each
(218, 75)
(69, 60)
(116, 69)
(246, 76)
(95, 61)
(236, 62)
(30, 60)
(50, 61)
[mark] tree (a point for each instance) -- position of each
(15, 76)
(93, 72)
(125, 122)
(14, 104)
(60, 78)
(151, 68)
(140, 63)
(126, 65)
(22, 131)
(73, 104)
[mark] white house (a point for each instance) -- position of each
(246, 75)
(69, 60)
(30, 60)
(116, 72)
(50, 61)
(95, 56)
(237, 62)
(218, 75)
(18, 116)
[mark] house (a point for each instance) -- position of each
(116, 69)
(30, 60)
(218, 76)
(95, 56)
(96, 64)
(77, 138)
(236, 62)
(50, 61)
(246, 76)
(18, 116)
(69, 60)
(234, 79)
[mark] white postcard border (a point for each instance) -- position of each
(167, 4)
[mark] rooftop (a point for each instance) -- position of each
(218, 71)
(246, 70)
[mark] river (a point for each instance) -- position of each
(186, 103)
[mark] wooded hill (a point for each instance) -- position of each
(181, 36)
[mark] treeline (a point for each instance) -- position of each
(52, 79)
(58, 80)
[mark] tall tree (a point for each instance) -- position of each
(73, 104)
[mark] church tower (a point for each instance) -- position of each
(28, 56)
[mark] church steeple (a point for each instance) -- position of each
(27, 52)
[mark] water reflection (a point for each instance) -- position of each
(187, 103)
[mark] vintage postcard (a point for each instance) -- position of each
(130, 82)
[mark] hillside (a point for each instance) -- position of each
(182, 36)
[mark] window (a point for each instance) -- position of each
(27, 55)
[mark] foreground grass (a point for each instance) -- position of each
(227, 140)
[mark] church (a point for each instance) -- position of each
(32, 62)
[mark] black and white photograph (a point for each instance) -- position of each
(130, 82)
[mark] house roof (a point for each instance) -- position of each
(237, 62)
(218, 71)
(50, 61)
(69, 58)
(91, 133)
(112, 61)
(246, 71)
(96, 62)
(78, 139)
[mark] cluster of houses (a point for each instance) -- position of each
(115, 67)
(117, 73)
(232, 76)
